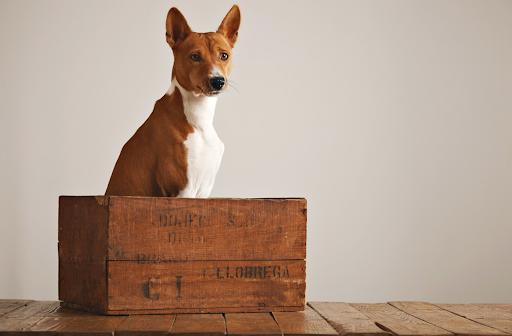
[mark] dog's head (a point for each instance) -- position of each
(202, 61)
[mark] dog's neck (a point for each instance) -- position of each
(199, 109)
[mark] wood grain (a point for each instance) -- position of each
(306, 322)
(182, 310)
(199, 324)
(396, 321)
(64, 312)
(33, 308)
(35, 325)
(347, 320)
(45, 308)
(35, 317)
(206, 284)
(97, 326)
(9, 305)
(146, 325)
(498, 311)
(206, 229)
(47, 318)
(83, 250)
(251, 324)
(445, 319)
(498, 316)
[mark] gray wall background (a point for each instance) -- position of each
(393, 118)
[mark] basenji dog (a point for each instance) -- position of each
(176, 152)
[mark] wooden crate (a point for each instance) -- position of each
(144, 255)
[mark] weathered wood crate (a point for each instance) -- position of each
(144, 255)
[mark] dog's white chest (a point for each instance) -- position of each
(204, 154)
(204, 148)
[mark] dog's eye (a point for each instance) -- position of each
(224, 56)
(195, 57)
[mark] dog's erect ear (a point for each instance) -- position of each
(230, 24)
(176, 27)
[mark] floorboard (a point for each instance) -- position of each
(445, 319)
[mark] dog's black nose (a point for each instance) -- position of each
(217, 83)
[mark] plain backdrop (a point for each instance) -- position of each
(393, 119)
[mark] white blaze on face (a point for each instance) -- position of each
(215, 72)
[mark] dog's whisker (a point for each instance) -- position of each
(230, 85)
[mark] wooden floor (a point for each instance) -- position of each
(18, 317)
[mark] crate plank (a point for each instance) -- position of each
(396, 321)
(206, 284)
(146, 325)
(306, 322)
(347, 320)
(199, 324)
(83, 250)
(239, 324)
(445, 319)
(9, 305)
(498, 316)
(92, 325)
(206, 229)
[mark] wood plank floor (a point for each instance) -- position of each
(47, 318)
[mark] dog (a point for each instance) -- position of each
(176, 152)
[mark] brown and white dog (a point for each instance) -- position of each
(176, 152)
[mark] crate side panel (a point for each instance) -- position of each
(207, 229)
(83, 250)
(206, 284)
